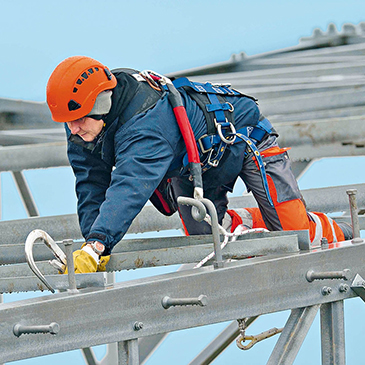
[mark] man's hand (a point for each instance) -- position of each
(83, 262)
(87, 260)
(103, 262)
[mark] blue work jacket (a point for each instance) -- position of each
(140, 145)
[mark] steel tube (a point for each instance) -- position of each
(199, 216)
(218, 263)
(70, 265)
(354, 215)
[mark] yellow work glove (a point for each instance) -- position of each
(83, 262)
(103, 262)
(87, 261)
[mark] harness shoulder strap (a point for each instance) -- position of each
(222, 89)
(203, 101)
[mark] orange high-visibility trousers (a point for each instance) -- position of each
(280, 203)
(326, 227)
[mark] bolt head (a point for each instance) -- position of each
(326, 290)
(138, 326)
(343, 288)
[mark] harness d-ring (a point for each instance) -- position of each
(223, 138)
(58, 253)
(231, 107)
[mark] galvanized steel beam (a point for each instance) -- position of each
(353, 68)
(310, 115)
(281, 280)
(239, 249)
(43, 155)
(293, 335)
(317, 101)
(31, 136)
(307, 153)
(25, 194)
(128, 352)
(265, 93)
(319, 132)
(333, 333)
(326, 200)
(18, 284)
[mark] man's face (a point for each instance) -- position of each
(87, 128)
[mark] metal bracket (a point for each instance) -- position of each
(358, 286)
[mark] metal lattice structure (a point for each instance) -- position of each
(313, 93)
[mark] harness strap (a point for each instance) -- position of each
(217, 108)
(208, 108)
(257, 133)
(260, 163)
(213, 160)
(224, 133)
(223, 89)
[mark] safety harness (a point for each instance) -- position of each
(209, 149)
(220, 125)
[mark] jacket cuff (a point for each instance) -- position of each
(97, 237)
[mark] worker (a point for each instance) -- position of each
(125, 147)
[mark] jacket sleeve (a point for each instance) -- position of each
(92, 180)
(143, 156)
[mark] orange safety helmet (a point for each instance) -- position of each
(74, 85)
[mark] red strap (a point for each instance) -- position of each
(187, 133)
(162, 201)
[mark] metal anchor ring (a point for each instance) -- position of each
(58, 253)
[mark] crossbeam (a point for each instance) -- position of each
(14, 253)
(333, 199)
(246, 288)
(13, 278)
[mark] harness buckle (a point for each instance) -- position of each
(201, 145)
(232, 136)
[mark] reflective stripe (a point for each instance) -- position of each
(319, 231)
(330, 220)
(319, 227)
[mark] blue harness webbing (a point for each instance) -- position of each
(216, 144)
(206, 87)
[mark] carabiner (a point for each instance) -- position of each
(257, 338)
(212, 162)
(58, 253)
